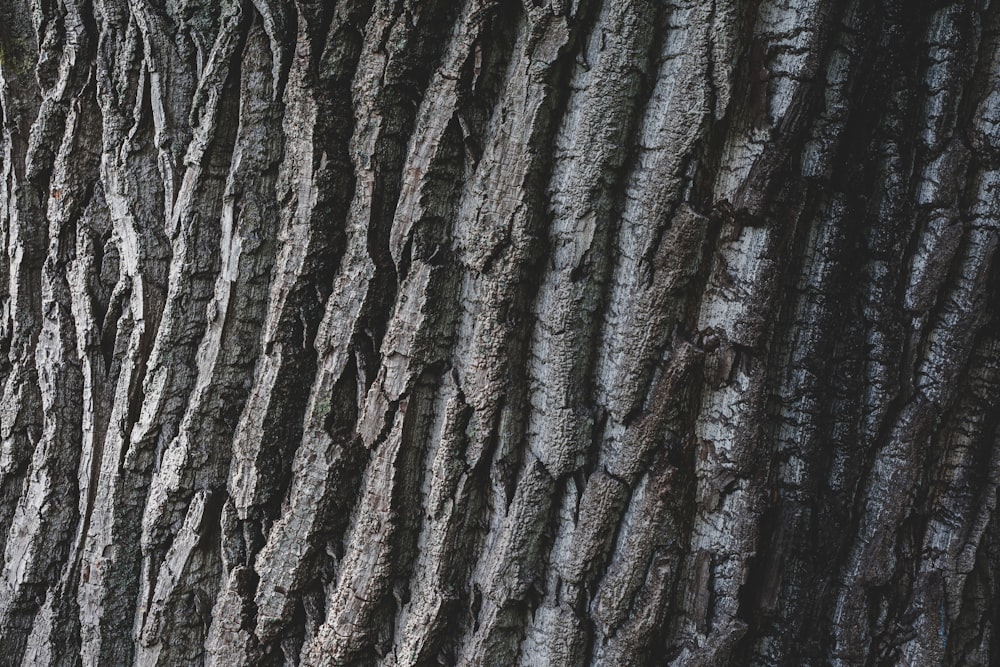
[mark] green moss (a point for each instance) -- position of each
(13, 52)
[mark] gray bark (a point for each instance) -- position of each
(487, 332)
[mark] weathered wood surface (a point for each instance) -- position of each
(487, 332)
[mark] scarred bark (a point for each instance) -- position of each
(487, 332)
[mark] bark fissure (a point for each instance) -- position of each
(538, 332)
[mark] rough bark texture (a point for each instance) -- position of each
(488, 332)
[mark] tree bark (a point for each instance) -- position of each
(552, 332)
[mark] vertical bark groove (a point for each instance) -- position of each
(537, 332)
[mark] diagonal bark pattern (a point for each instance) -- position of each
(499, 332)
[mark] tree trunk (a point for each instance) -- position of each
(564, 332)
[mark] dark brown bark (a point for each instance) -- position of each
(573, 332)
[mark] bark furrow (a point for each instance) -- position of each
(499, 332)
